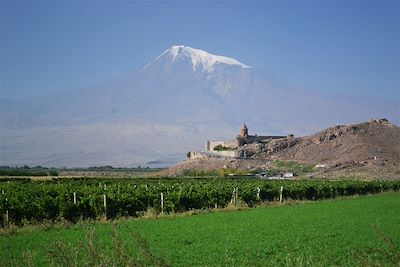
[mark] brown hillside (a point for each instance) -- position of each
(377, 140)
(370, 149)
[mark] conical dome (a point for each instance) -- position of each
(244, 131)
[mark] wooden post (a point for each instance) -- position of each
(105, 205)
(6, 215)
(236, 196)
(162, 203)
(75, 198)
(280, 195)
(7, 219)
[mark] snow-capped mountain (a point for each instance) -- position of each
(200, 59)
(172, 104)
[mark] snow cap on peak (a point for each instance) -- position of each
(199, 58)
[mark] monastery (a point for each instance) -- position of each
(229, 148)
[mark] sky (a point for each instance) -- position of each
(332, 46)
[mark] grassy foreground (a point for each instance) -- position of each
(361, 230)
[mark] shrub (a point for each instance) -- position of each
(223, 148)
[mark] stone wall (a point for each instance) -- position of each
(252, 138)
(198, 155)
(226, 154)
(213, 153)
(211, 144)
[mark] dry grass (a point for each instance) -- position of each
(89, 253)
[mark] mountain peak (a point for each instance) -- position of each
(200, 59)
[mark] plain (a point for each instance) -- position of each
(361, 230)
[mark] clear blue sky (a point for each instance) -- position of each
(336, 46)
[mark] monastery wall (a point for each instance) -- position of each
(211, 144)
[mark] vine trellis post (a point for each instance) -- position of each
(105, 205)
(6, 215)
(162, 203)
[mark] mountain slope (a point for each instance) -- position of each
(182, 87)
(190, 85)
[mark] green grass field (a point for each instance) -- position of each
(359, 231)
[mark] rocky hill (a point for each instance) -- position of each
(369, 149)
(377, 140)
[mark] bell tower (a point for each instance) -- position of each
(244, 132)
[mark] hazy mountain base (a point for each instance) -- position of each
(117, 144)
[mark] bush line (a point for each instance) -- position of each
(28, 202)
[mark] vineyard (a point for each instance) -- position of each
(28, 201)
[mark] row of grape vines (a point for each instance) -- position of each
(72, 200)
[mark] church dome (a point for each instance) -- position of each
(244, 131)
